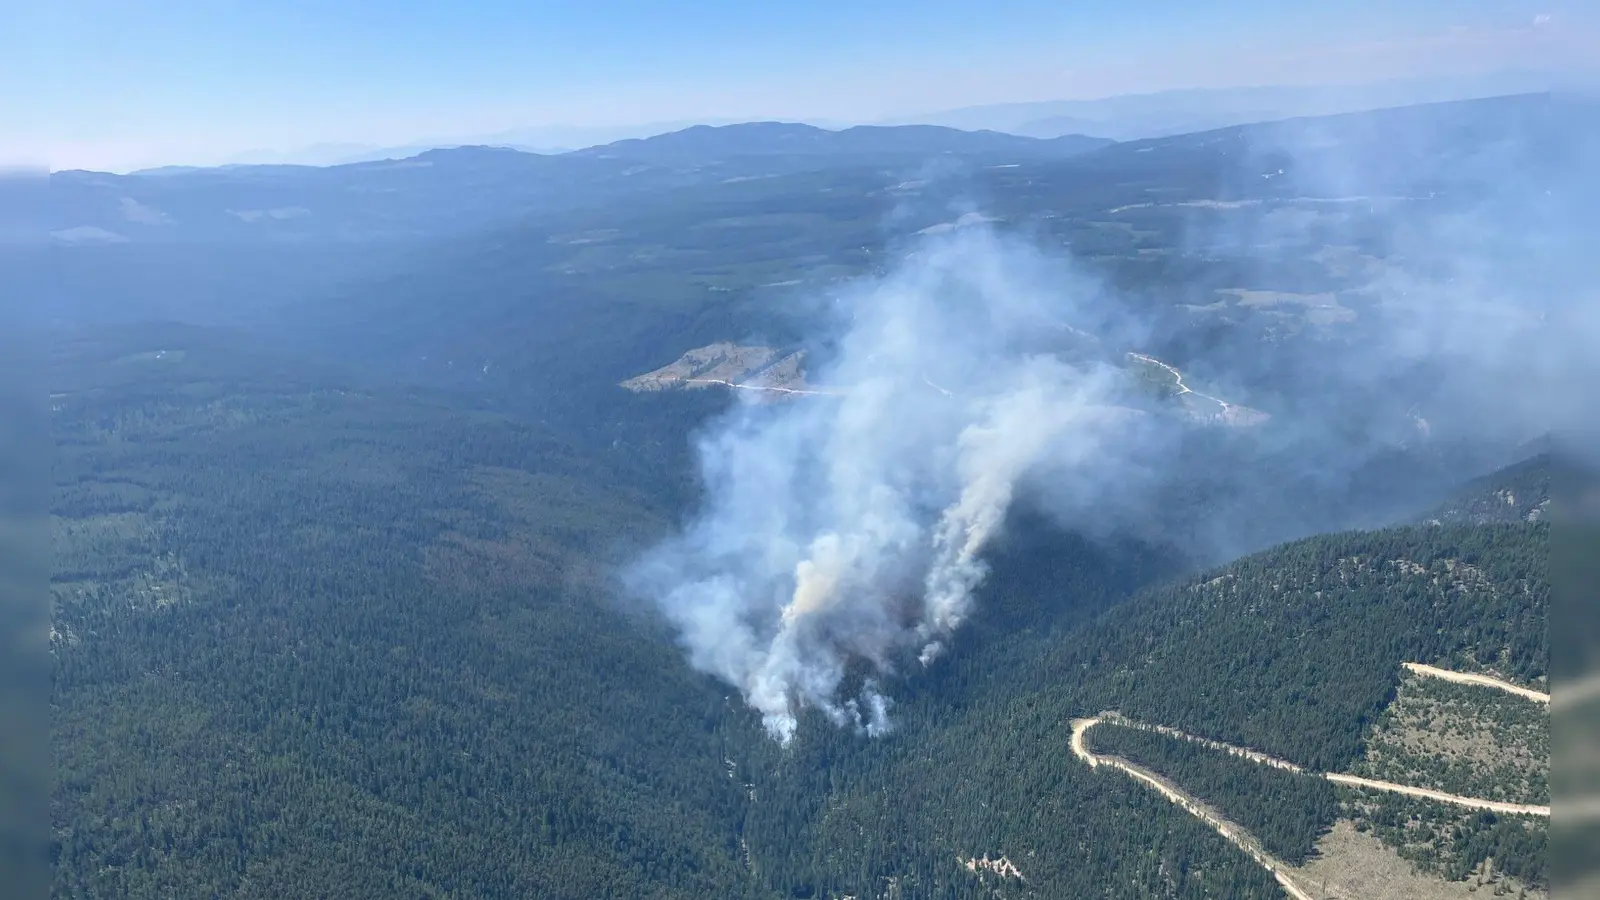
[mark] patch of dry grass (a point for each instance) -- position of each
(1462, 739)
(1351, 865)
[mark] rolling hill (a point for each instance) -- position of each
(708, 144)
(445, 191)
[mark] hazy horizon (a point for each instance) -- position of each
(116, 91)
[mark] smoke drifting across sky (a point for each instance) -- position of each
(841, 537)
(850, 527)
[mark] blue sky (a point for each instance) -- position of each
(117, 83)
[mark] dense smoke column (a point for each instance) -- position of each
(850, 528)
(1413, 300)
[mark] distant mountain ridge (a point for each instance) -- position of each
(449, 189)
(777, 138)
(1162, 113)
(1119, 117)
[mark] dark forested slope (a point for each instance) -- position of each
(1296, 650)
(1518, 493)
(312, 641)
(1293, 650)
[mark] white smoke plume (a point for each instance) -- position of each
(848, 529)
(1446, 262)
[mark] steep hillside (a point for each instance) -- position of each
(1517, 493)
(1291, 651)
(1296, 650)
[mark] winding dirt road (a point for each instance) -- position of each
(1253, 755)
(1177, 378)
(1229, 831)
(1520, 809)
(1242, 838)
(1480, 680)
(1515, 809)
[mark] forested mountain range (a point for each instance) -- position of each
(445, 191)
(341, 523)
(383, 664)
